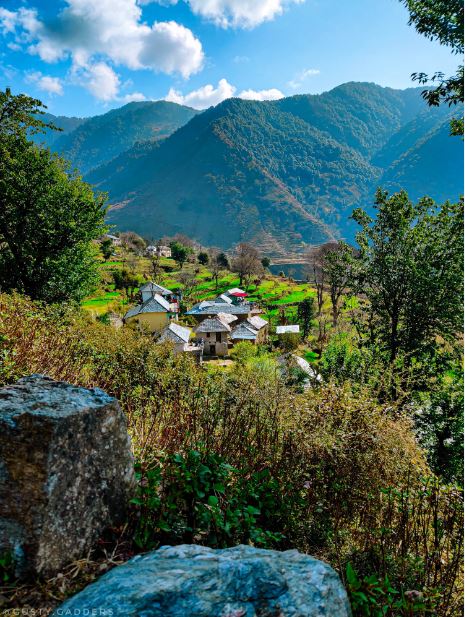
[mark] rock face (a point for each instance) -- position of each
(194, 581)
(66, 471)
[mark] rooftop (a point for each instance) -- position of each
(257, 322)
(288, 330)
(175, 333)
(155, 288)
(214, 324)
(244, 331)
(157, 304)
(213, 308)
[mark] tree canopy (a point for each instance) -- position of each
(49, 215)
(411, 272)
(441, 20)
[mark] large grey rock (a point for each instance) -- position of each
(66, 471)
(194, 581)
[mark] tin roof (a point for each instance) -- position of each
(223, 298)
(156, 289)
(213, 308)
(257, 322)
(157, 304)
(213, 325)
(288, 330)
(175, 333)
(244, 331)
(226, 318)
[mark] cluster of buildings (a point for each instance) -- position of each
(221, 322)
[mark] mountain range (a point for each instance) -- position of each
(281, 174)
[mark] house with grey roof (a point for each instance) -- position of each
(211, 308)
(114, 239)
(153, 314)
(180, 336)
(174, 333)
(253, 329)
(244, 332)
(214, 333)
(151, 289)
(287, 330)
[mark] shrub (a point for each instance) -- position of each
(236, 456)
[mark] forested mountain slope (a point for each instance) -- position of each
(280, 173)
(98, 139)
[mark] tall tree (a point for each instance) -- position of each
(441, 20)
(49, 217)
(218, 262)
(338, 265)
(180, 253)
(412, 271)
(247, 262)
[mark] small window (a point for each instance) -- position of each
(218, 337)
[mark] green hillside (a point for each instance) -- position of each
(284, 173)
(99, 139)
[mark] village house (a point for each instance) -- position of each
(280, 330)
(253, 329)
(214, 333)
(236, 295)
(154, 314)
(211, 308)
(150, 290)
(158, 251)
(114, 239)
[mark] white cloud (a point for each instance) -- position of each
(134, 96)
(234, 13)
(94, 33)
(52, 85)
(299, 79)
(203, 97)
(100, 79)
(209, 95)
(273, 94)
(171, 48)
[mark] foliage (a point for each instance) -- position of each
(246, 263)
(180, 253)
(106, 248)
(49, 218)
(133, 241)
(243, 351)
(338, 270)
(410, 581)
(198, 496)
(125, 280)
(438, 416)
(411, 259)
(20, 115)
(441, 20)
(266, 262)
(305, 315)
(343, 360)
(203, 258)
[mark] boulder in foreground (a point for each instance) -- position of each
(195, 581)
(66, 471)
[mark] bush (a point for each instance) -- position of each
(197, 496)
(236, 456)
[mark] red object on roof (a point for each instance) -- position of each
(239, 295)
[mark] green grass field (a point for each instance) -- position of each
(274, 294)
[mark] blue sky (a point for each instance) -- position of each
(83, 57)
